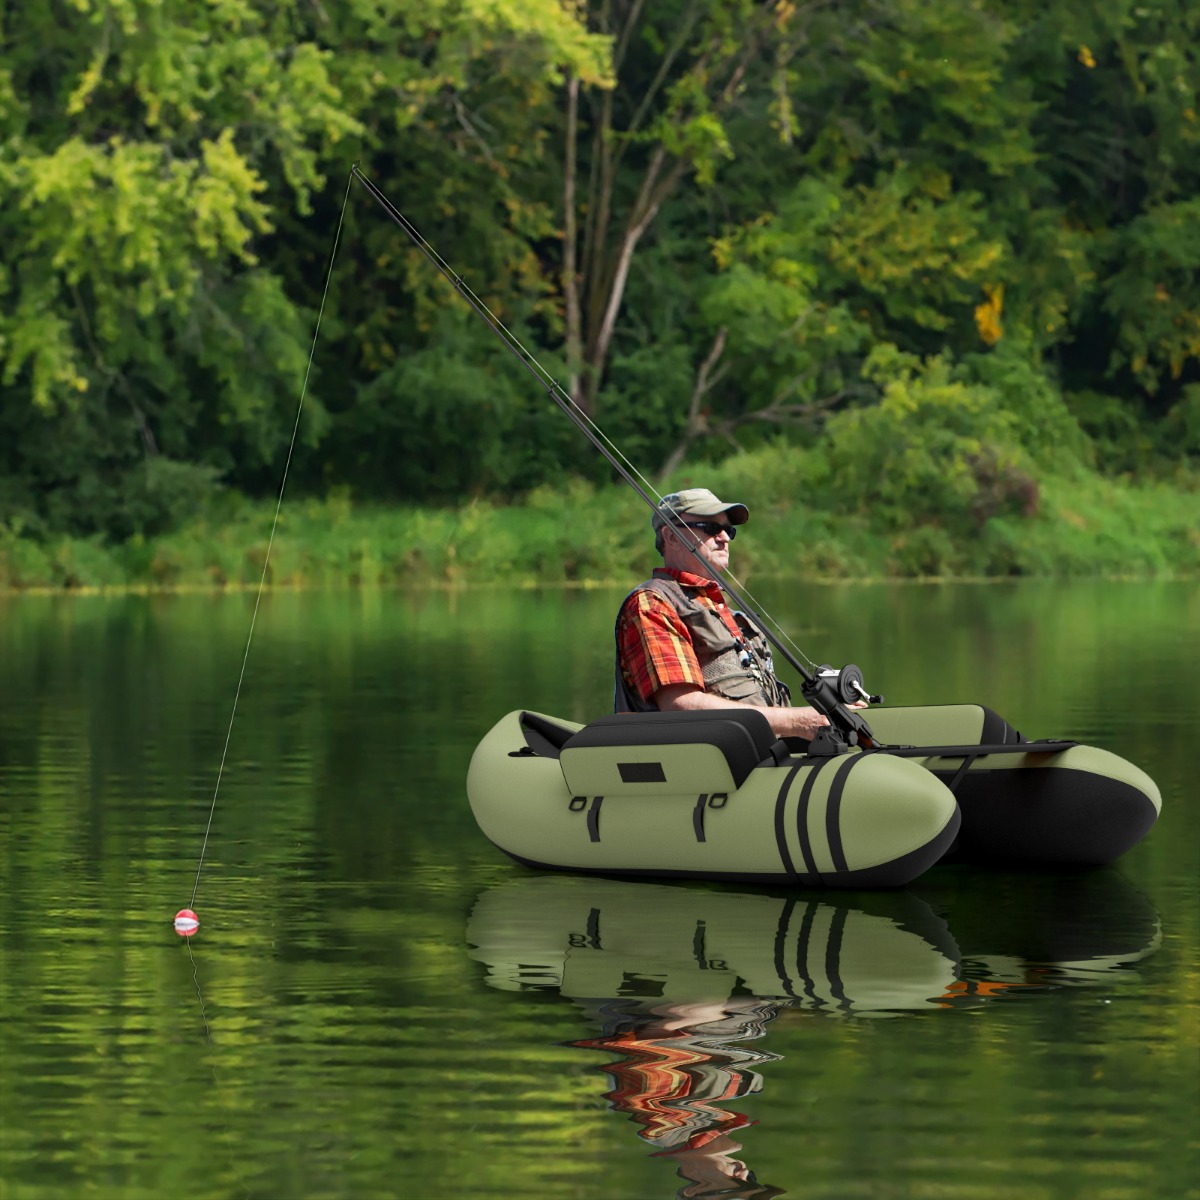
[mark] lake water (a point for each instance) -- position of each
(379, 1004)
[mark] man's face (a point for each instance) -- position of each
(713, 536)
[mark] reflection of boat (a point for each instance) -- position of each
(715, 795)
(1025, 930)
(682, 981)
(602, 940)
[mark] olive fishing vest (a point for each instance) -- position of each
(738, 668)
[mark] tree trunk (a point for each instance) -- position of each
(570, 235)
(596, 267)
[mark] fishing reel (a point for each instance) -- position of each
(832, 692)
(846, 684)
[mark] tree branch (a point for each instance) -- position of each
(645, 208)
(697, 424)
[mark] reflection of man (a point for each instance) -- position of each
(712, 1171)
(679, 644)
(675, 1075)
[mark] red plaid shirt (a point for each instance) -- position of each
(654, 644)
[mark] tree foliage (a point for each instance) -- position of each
(715, 222)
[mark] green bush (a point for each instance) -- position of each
(937, 449)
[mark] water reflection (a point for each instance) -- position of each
(603, 938)
(679, 979)
(679, 1068)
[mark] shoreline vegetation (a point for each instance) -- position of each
(580, 534)
(919, 284)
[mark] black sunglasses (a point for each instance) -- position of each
(712, 528)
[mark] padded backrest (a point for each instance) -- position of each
(543, 736)
(667, 754)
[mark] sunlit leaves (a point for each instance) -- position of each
(920, 251)
(134, 224)
(227, 211)
(37, 336)
(147, 174)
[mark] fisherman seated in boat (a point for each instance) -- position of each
(679, 644)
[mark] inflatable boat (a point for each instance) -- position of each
(716, 795)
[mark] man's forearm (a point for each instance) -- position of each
(786, 722)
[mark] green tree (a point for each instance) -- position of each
(154, 184)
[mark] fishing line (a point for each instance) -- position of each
(583, 420)
(271, 540)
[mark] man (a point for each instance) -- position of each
(679, 644)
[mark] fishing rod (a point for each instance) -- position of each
(827, 690)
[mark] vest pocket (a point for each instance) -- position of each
(742, 687)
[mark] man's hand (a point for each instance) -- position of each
(802, 722)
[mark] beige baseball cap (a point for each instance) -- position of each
(696, 502)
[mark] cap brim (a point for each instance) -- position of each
(738, 513)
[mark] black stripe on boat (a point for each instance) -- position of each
(802, 819)
(698, 816)
(593, 818)
(780, 833)
(997, 729)
(833, 810)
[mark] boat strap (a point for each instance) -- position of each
(1043, 746)
(970, 753)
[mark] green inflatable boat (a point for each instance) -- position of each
(716, 795)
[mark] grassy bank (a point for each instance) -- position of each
(1083, 525)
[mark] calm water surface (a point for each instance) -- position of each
(379, 1004)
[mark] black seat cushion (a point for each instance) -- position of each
(743, 736)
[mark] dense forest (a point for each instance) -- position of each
(935, 254)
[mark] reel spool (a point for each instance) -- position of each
(847, 683)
